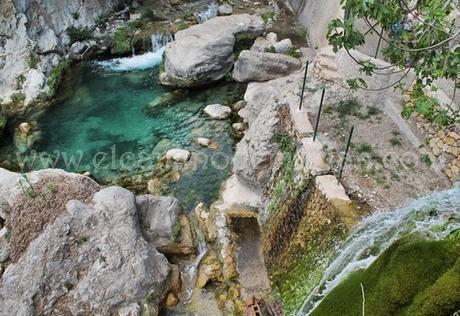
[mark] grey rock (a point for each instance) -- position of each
(35, 80)
(158, 216)
(217, 111)
(252, 162)
(204, 53)
(255, 66)
(260, 45)
(272, 38)
(282, 47)
(5, 249)
(225, 9)
(91, 260)
(178, 155)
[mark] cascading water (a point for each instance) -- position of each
(435, 216)
(207, 14)
(140, 62)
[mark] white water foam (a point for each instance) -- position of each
(377, 232)
(140, 62)
(207, 14)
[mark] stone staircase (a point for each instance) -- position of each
(325, 65)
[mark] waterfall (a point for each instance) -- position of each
(435, 216)
(140, 62)
(207, 14)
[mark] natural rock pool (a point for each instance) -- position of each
(118, 125)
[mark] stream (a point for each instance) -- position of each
(116, 121)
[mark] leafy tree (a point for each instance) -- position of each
(420, 35)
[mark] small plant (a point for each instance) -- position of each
(27, 187)
(349, 107)
(328, 110)
(78, 34)
(267, 16)
(270, 49)
(101, 21)
(243, 41)
(122, 41)
(33, 59)
(395, 141)
(372, 110)
(426, 159)
(75, 15)
(18, 98)
(20, 79)
(294, 52)
(364, 148)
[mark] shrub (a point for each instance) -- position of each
(57, 75)
(20, 79)
(294, 52)
(122, 41)
(78, 34)
(33, 59)
(267, 16)
(243, 41)
(426, 159)
(349, 107)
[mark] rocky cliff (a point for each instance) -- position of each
(34, 38)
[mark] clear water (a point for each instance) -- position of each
(434, 216)
(114, 125)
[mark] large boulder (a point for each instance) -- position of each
(204, 52)
(257, 66)
(92, 259)
(164, 225)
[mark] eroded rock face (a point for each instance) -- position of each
(204, 52)
(256, 66)
(252, 162)
(91, 260)
(32, 31)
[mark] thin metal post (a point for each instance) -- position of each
(319, 114)
(303, 86)
(378, 44)
(346, 152)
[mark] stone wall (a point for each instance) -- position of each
(445, 145)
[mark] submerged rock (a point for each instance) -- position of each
(178, 155)
(205, 142)
(217, 111)
(255, 66)
(204, 53)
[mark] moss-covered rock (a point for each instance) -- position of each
(412, 277)
(2, 124)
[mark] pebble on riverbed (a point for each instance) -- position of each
(205, 142)
(178, 155)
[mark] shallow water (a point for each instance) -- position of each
(116, 124)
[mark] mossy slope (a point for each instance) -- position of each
(412, 277)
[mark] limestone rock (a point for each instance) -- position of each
(35, 80)
(210, 270)
(239, 127)
(225, 9)
(205, 142)
(178, 155)
(159, 217)
(272, 38)
(282, 47)
(5, 249)
(238, 105)
(254, 66)
(260, 45)
(253, 156)
(204, 53)
(91, 260)
(217, 111)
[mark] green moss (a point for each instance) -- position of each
(56, 76)
(122, 41)
(176, 229)
(412, 277)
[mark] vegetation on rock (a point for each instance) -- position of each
(122, 41)
(78, 34)
(412, 277)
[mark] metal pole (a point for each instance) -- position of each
(319, 114)
(346, 152)
(303, 86)
(378, 44)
